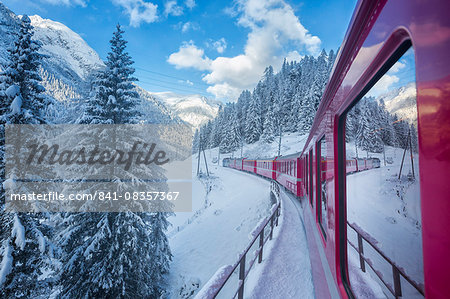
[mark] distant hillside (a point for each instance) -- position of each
(196, 110)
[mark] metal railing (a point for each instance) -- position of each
(395, 290)
(272, 220)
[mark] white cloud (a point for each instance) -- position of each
(383, 85)
(190, 56)
(218, 45)
(294, 56)
(190, 3)
(189, 26)
(273, 25)
(172, 8)
(397, 66)
(139, 11)
(66, 2)
(224, 91)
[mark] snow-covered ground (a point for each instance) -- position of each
(286, 268)
(217, 229)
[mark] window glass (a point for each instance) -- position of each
(322, 180)
(306, 174)
(382, 186)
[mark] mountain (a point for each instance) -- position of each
(69, 64)
(195, 109)
(69, 58)
(402, 101)
(8, 27)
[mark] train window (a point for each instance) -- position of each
(306, 174)
(384, 243)
(322, 184)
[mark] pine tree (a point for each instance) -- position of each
(270, 125)
(368, 134)
(25, 247)
(196, 141)
(20, 89)
(115, 96)
(117, 254)
(253, 125)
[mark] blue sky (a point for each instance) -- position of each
(214, 48)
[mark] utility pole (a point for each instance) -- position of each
(198, 157)
(200, 149)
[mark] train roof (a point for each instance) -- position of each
(290, 156)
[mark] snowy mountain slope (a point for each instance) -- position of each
(150, 106)
(8, 27)
(196, 110)
(69, 55)
(402, 101)
(69, 63)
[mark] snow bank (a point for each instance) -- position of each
(259, 227)
(214, 283)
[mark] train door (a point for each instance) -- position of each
(321, 202)
(383, 217)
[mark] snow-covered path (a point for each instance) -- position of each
(219, 232)
(286, 268)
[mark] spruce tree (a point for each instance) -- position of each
(253, 125)
(25, 247)
(115, 254)
(115, 96)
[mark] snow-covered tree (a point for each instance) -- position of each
(115, 96)
(21, 95)
(25, 238)
(109, 254)
(253, 125)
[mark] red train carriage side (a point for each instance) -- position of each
(341, 194)
(266, 168)
(249, 165)
(288, 173)
(383, 38)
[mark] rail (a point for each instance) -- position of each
(395, 290)
(213, 288)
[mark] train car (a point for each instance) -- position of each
(358, 241)
(226, 162)
(376, 163)
(266, 168)
(249, 165)
(361, 244)
(351, 166)
(288, 173)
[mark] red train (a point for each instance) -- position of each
(379, 229)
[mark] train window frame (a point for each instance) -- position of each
(319, 186)
(311, 179)
(306, 172)
(402, 48)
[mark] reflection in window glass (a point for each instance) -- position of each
(383, 190)
(322, 195)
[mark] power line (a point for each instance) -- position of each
(163, 81)
(169, 76)
(175, 88)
